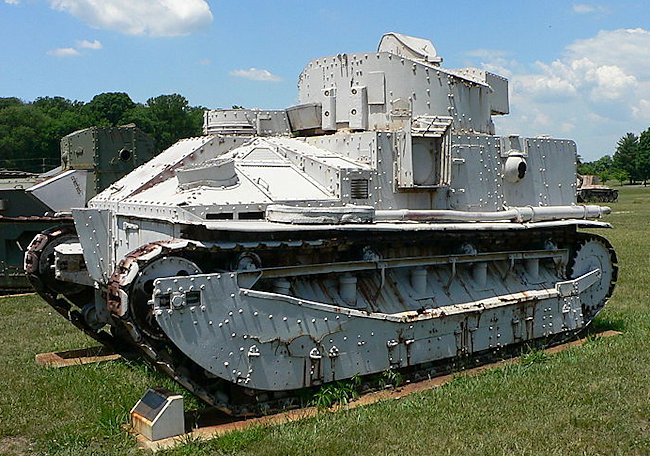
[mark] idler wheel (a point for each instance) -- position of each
(140, 299)
(39, 266)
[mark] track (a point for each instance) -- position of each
(65, 299)
(133, 325)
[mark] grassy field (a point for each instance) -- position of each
(590, 400)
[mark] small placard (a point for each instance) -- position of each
(152, 403)
(159, 415)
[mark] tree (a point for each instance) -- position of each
(603, 167)
(643, 157)
(173, 119)
(30, 133)
(10, 101)
(65, 117)
(108, 109)
(141, 116)
(625, 155)
(55, 106)
(619, 175)
(22, 143)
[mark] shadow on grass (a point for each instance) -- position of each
(601, 324)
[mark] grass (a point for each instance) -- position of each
(588, 400)
(337, 393)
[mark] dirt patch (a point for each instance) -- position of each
(16, 446)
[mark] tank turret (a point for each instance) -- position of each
(378, 225)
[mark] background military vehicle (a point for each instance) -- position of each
(591, 190)
(379, 225)
(91, 159)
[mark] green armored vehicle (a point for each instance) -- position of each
(91, 160)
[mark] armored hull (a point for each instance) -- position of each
(380, 225)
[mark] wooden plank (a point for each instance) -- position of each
(17, 295)
(76, 357)
(220, 424)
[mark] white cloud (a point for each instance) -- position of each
(487, 54)
(628, 48)
(494, 60)
(140, 17)
(85, 44)
(12, 2)
(597, 91)
(567, 127)
(586, 8)
(255, 74)
(576, 78)
(641, 111)
(63, 52)
(75, 51)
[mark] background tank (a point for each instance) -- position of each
(91, 159)
(591, 190)
(380, 224)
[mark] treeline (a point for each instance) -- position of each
(630, 163)
(30, 132)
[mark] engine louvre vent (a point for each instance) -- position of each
(359, 188)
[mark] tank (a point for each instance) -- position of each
(380, 225)
(30, 203)
(591, 190)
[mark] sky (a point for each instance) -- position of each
(577, 70)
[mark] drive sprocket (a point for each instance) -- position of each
(594, 252)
